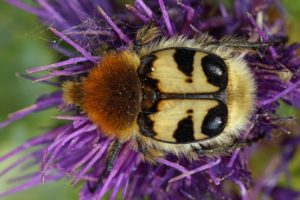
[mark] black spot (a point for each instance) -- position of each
(185, 131)
(185, 59)
(215, 120)
(215, 70)
(189, 80)
(145, 125)
(190, 111)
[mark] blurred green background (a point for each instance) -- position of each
(24, 44)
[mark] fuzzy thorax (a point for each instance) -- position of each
(110, 95)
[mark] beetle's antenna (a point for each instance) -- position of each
(145, 35)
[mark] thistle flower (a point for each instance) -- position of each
(78, 149)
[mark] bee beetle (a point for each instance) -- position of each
(186, 96)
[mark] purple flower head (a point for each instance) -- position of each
(78, 149)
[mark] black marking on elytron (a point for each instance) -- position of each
(145, 67)
(143, 71)
(189, 80)
(184, 59)
(215, 120)
(146, 125)
(185, 131)
(215, 70)
(189, 111)
(144, 122)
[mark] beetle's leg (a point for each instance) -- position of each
(150, 154)
(113, 152)
(225, 149)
